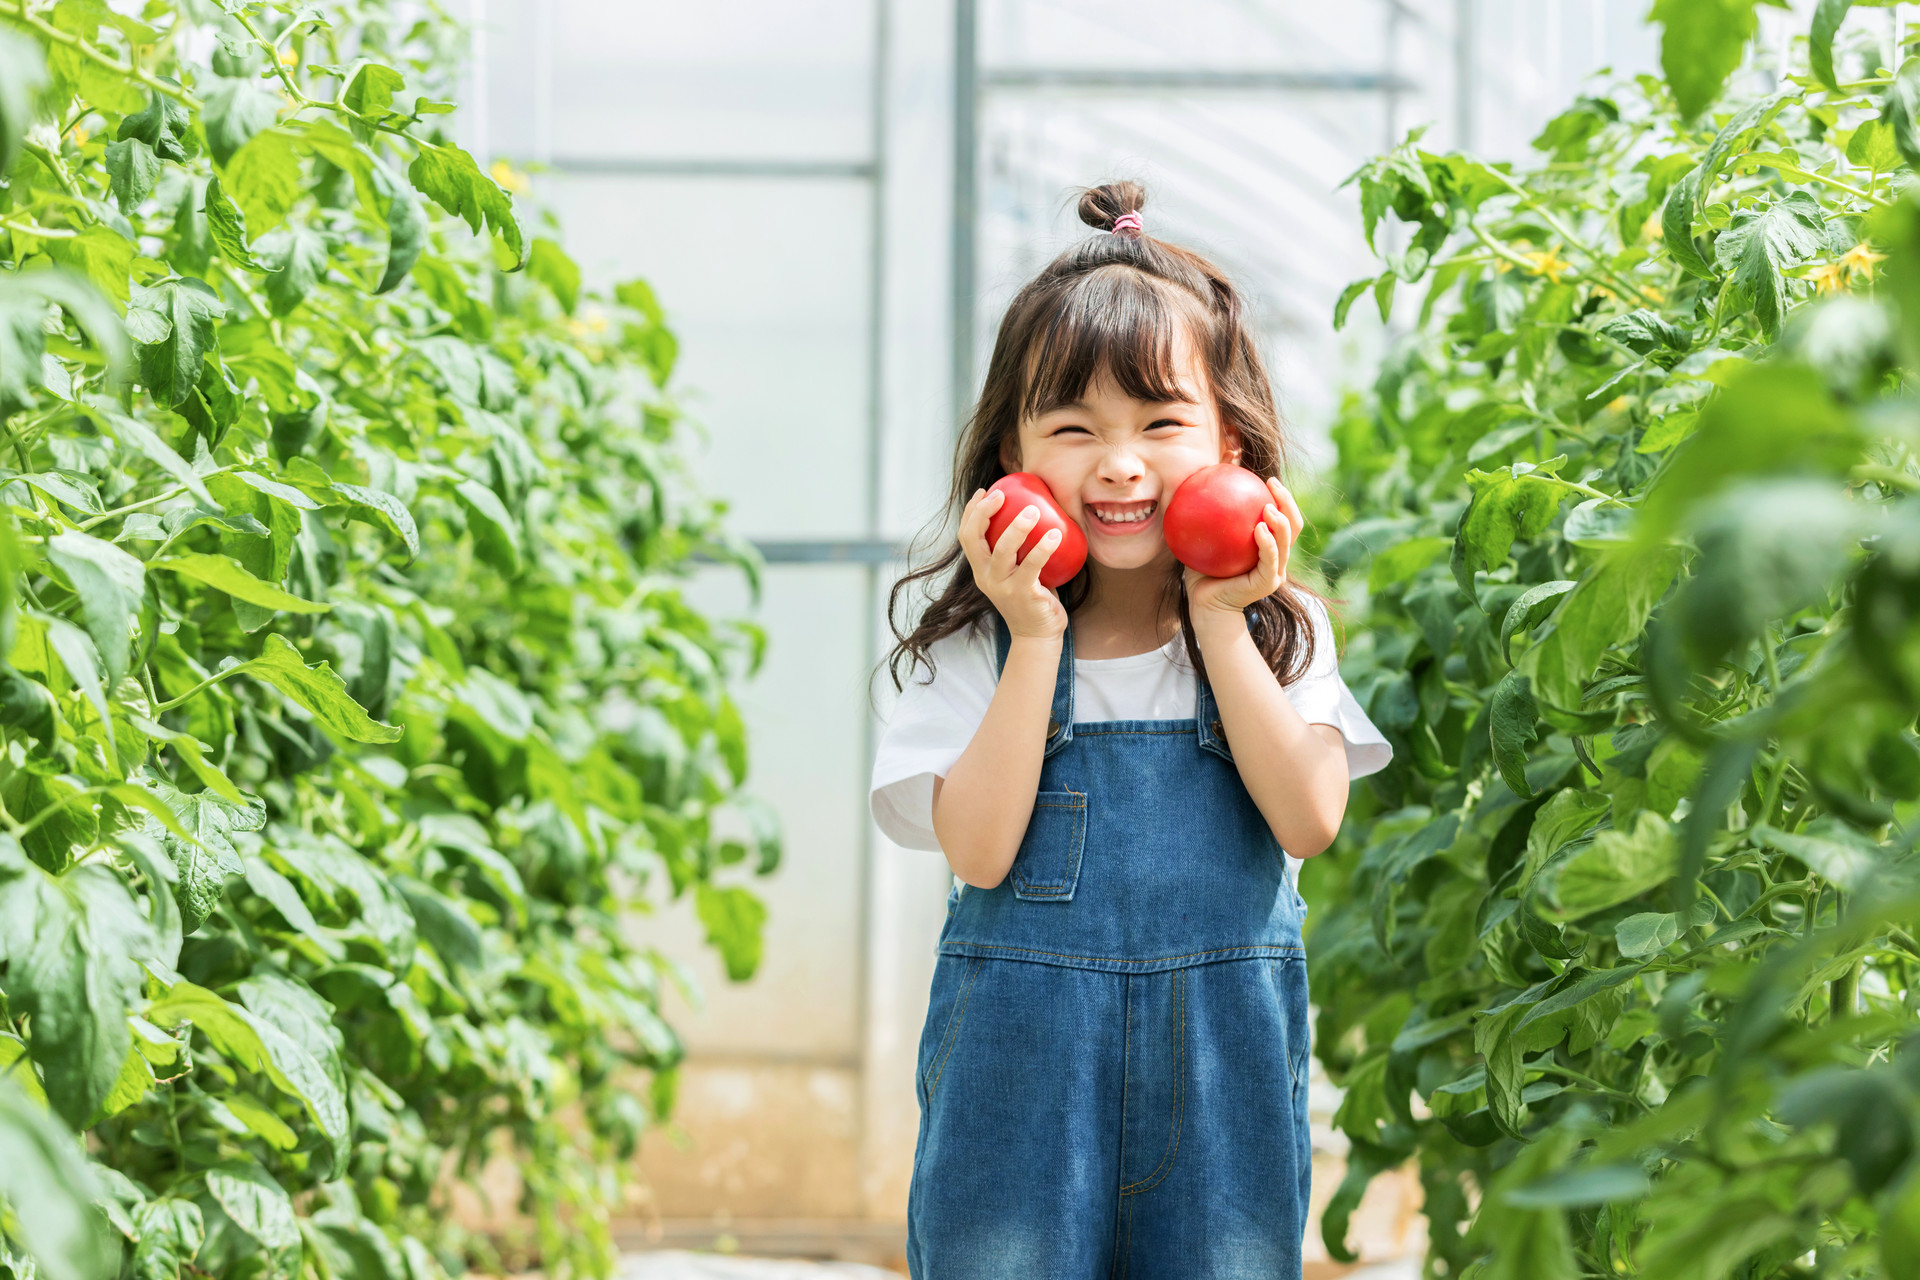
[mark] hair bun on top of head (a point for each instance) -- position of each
(1114, 206)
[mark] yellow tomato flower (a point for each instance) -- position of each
(1860, 261)
(80, 136)
(1829, 277)
(289, 57)
(510, 178)
(1549, 264)
(1652, 229)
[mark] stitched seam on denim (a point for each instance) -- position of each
(1126, 1088)
(1165, 1167)
(1062, 955)
(953, 1029)
(1058, 890)
(1286, 1021)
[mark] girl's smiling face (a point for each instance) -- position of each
(1113, 461)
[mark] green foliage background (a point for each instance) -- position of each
(1621, 948)
(349, 698)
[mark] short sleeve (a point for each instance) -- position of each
(1322, 697)
(930, 727)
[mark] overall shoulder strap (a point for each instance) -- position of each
(1060, 720)
(1206, 716)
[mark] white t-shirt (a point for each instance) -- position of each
(935, 720)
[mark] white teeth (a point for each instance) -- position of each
(1129, 517)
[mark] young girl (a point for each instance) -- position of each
(1112, 1075)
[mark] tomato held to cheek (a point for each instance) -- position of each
(1023, 490)
(1210, 521)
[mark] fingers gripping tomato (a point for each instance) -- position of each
(1210, 521)
(1023, 490)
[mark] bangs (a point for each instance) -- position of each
(1119, 322)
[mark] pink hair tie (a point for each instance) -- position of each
(1127, 222)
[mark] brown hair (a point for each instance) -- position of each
(1110, 305)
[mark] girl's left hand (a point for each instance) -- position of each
(1275, 537)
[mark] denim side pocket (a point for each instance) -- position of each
(1290, 992)
(1048, 864)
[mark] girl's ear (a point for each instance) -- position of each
(1230, 443)
(1009, 454)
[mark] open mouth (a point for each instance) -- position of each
(1122, 517)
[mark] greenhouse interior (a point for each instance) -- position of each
(471, 473)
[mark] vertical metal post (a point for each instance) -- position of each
(966, 159)
(543, 83)
(1390, 63)
(1463, 74)
(876, 422)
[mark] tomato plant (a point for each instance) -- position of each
(1620, 950)
(349, 700)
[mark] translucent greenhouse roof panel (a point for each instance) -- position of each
(589, 84)
(773, 326)
(1196, 35)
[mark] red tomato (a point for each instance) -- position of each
(1209, 523)
(1023, 490)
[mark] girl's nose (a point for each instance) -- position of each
(1121, 465)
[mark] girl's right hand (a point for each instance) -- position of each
(1029, 609)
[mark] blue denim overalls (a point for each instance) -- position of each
(1113, 1071)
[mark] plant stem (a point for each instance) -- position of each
(94, 54)
(213, 679)
(51, 810)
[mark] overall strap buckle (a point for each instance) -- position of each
(1060, 717)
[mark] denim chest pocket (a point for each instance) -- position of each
(1048, 864)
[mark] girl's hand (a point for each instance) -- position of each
(1275, 536)
(1029, 609)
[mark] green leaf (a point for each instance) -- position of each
(1515, 502)
(47, 1183)
(137, 436)
(319, 691)
(1760, 244)
(257, 1045)
(233, 113)
(1827, 17)
(228, 227)
(71, 945)
(1616, 867)
(133, 170)
(550, 265)
(170, 1235)
(206, 856)
(369, 94)
(264, 176)
(223, 573)
(1773, 419)
(1609, 606)
(1528, 610)
(1348, 296)
(1403, 560)
(296, 260)
(1701, 43)
(275, 506)
(22, 75)
(256, 1203)
(1513, 723)
(448, 176)
(733, 918)
(77, 655)
(183, 313)
(377, 507)
(1650, 932)
(103, 256)
(494, 537)
(261, 1121)
(109, 583)
(407, 233)
(1872, 146)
